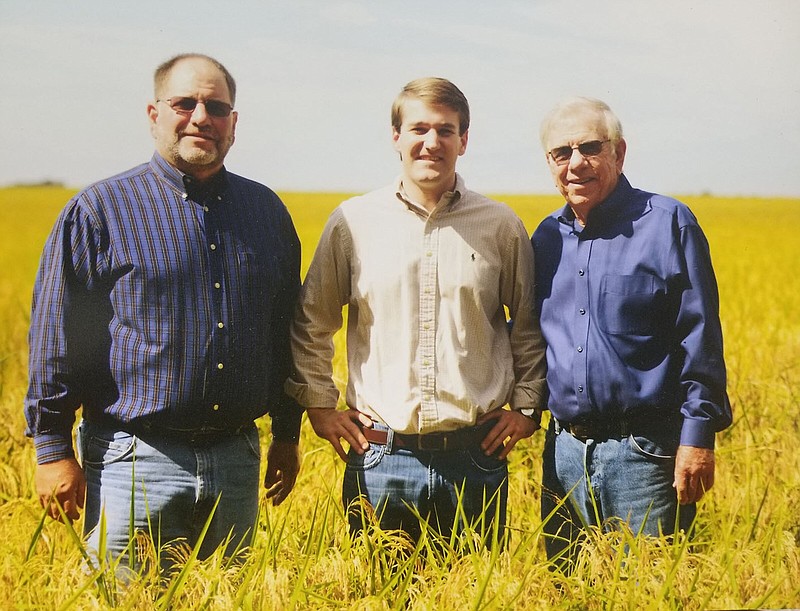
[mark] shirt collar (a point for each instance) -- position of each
(185, 184)
(451, 198)
(614, 207)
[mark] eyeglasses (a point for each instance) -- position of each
(186, 106)
(562, 154)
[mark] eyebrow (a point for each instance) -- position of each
(434, 125)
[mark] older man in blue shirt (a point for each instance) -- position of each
(629, 310)
(162, 308)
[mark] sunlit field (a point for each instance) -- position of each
(746, 553)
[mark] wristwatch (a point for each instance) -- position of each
(532, 413)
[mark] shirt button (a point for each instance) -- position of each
(221, 325)
(185, 195)
(582, 311)
(580, 348)
(429, 254)
(217, 285)
(219, 198)
(215, 407)
(205, 208)
(213, 247)
(580, 388)
(220, 365)
(580, 272)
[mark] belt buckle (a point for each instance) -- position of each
(580, 431)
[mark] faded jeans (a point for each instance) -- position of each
(606, 482)
(175, 486)
(453, 488)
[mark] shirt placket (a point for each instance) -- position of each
(427, 325)
(582, 321)
(220, 286)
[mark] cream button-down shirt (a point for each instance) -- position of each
(428, 344)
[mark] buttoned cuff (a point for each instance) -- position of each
(50, 448)
(287, 416)
(530, 396)
(308, 396)
(698, 433)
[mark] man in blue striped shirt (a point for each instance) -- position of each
(161, 307)
(630, 314)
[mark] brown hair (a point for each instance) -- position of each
(437, 92)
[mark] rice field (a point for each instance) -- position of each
(746, 553)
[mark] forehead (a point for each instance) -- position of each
(575, 127)
(196, 75)
(416, 111)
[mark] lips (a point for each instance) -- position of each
(198, 136)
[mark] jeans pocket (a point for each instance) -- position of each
(654, 447)
(253, 441)
(101, 449)
(368, 460)
(487, 464)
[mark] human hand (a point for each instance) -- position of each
(694, 473)
(63, 483)
(336, 424)
(511, 425)
(283, 465)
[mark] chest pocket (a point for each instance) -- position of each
(631, 305)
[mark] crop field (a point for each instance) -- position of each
(746, 553)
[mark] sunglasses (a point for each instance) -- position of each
(186, 106)
(562, 154)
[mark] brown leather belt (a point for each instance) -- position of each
(461, 439)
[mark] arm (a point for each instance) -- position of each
(527, 348)
(63, 337)
(706, 408)
(283, 456)
(317, 318)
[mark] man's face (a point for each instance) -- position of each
(584, 180)
(194, 142)
(429, 145)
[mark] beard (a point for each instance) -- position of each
(185, 155)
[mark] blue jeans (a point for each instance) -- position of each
(448, 489)
(174, 487)
(606, 482)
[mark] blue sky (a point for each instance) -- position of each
(708, 91)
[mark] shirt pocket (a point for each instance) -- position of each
(631, 305)
(259, 276)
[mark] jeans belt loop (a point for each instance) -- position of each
(389, 440)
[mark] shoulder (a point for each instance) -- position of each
(246, 187)
(489, 210)
(96, 199)
(377, 199)
(667, 208)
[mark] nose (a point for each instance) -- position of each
(576, 159)
(200, 114)
(431, 139)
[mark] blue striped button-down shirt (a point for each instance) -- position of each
(165, 301)
(630, 313)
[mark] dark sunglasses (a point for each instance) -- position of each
(562, 154)
(186, 106)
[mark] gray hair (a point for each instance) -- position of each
(613, 127)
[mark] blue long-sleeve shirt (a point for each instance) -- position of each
(159, 298)
(629, 309)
